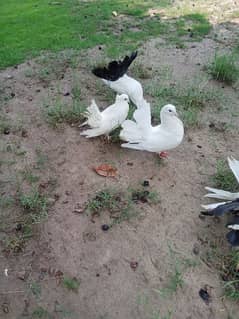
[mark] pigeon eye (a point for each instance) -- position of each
(170, 110)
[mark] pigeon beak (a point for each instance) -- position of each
(176, 114)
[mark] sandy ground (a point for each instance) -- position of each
(76, 246)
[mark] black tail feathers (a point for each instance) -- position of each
(115, 69)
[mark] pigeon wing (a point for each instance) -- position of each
(226, 208)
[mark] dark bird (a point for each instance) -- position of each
(228, 207)
(233, 235)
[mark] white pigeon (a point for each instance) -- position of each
(102, 123)
(221, 194)
(141, 135)
(116, 78)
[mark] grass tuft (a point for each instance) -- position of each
(224, 177)
(119, 204)
(223, 68)
(41, 313)
(35, 205)
(58, 113)
(189, 100)
(71, 283)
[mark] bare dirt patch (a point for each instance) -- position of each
(153, 263)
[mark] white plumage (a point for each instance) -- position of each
(141, 135)
(127, 85)
(221, 194)
(114, 75)
(102, 123)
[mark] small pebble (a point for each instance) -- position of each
(19, 227)
(6, 131)
(134, 265)
(24, 133)
(146, 183)
(105, 227)
(196, 249)
(204, 295)
(21, 275)
(199, 146)
(211, 125)
(5, 307)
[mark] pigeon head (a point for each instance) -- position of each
(169, 110)
(122, 98)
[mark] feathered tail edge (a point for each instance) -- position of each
(220, 194)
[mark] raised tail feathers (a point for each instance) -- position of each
(221, 194)
(93, 115)
(115, 69)
(130, 132)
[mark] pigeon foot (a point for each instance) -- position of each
(163, 155)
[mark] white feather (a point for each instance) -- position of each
(141, 135)
(234, 227)
(127, 85)
(234, 166)
(212, 206)
(221, 194)
(102, 123)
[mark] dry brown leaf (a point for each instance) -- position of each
(106, 170)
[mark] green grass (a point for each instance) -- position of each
(29, 176)
(224, 178)
(58, 112)
(190, 100)
(35, 288)
(179, 264)
(35, 205)
(41, 313)
(120, 205)
(4, 123)
(29, 28)
(158, 315)
(71, 283)
(41, 159)
(224, 68)
(33, 201)
(226, 263)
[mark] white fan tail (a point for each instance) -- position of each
(142, 116)
(130, 131)
(210, 207)
(93, 115)
(221, 194)
(234, 166)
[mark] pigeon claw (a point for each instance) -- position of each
(163, 155)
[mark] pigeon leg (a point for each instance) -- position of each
(106, 139)
(163, 155)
